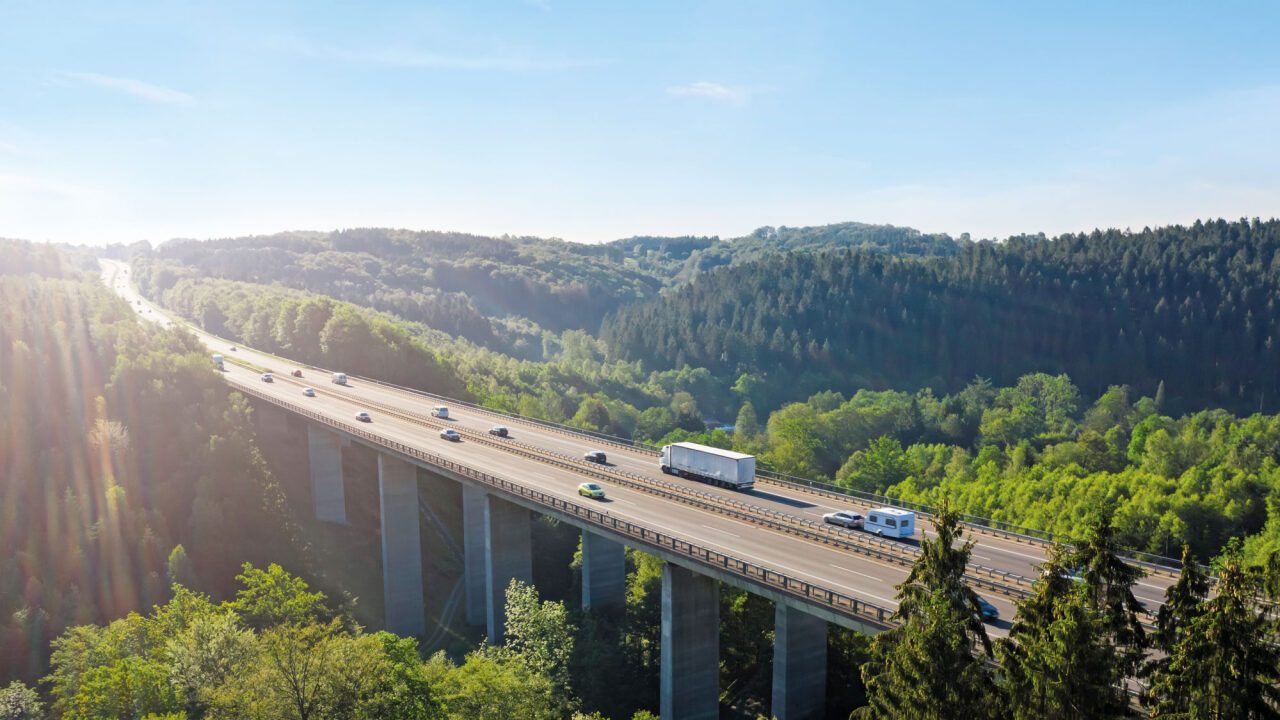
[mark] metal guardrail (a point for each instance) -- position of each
(989, 578)
(803, 589)
(1150, 562)
(989, 526)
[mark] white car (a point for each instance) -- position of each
(309, 392)
(450, 434)
(844, 518)
(363, 416)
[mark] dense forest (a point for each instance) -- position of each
(1020, 453)
(1194, 307)
(501, 293)
(682, 258)
(104, 499)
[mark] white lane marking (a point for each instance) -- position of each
(980, 557)
(726, 532)
(855, 572)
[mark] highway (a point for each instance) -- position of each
(630, 478)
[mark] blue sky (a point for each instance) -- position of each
(592, 121)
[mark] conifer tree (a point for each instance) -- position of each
(929, 666)
(1110, 582)
(1056, 662)
(1226, 663)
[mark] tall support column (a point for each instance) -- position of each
(401, 552)
(508, 556)
(799, 664)
(473, 550)
(324, 455)
(690, 645)
(604, 572)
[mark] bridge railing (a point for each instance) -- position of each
(1018, 533)
(641, 534)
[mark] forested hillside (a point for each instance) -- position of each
(682, 258)
(460, 284)
(1195, 307)
(498, 292)
(125, 464)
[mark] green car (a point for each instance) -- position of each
(591, 490)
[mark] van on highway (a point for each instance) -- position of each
(890, 522)
(340, 378)
(218, 362)
(440, 411)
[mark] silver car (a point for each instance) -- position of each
(844, 518)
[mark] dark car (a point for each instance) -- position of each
(595, 456)
(989, 612)
(499, 430)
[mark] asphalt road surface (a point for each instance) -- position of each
(841, 570)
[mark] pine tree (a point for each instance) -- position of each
(940, 567)
(1226, 663)
(1057, 663)
(1184, 602)
(929, 666)
(1110, 582)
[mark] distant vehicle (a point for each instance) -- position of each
(499, 430)
(363, 416)
(267, 377)
(988, 611)
(890, 522)
(450, 434)
(309, 392)
(340, 378)
(843, 518)
(595, 456)
(591, 490)
(440, 411)
(725, 468)
(296, 373)
(218, 362)
(233, 348)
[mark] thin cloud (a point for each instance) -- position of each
(710, 91)
(134, 88)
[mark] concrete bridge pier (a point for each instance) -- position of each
(474, 501)
(405, 612)
(508, 555)
(799, 664)
(690, 673)
(604, 572)
(324, 456)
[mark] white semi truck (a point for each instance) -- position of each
(725, 468)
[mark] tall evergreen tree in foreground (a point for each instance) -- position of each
(1057, 662)
(1110, 580)
(930, 666)
(1225, 662)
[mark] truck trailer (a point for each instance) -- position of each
(725, 468)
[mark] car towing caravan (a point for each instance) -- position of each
(340, 378)
(440, 411)
(890, 522)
